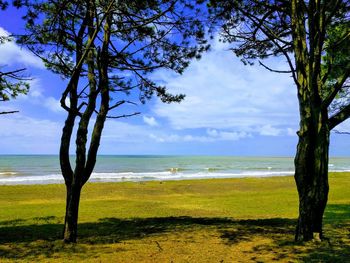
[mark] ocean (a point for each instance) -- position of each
(44, 169)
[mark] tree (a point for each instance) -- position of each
(307, 35)
(12, 82)
(336, 62)
(106, 50)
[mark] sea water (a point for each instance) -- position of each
(44, 169)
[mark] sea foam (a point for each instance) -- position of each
(137, 177)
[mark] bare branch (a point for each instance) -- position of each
(274, 70)
(12, 73)
(339, 117)
(341, 132)
(123, 116)
(8, 112)
(273, 38)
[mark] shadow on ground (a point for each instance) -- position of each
(21, 241)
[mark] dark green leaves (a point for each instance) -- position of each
(144, 36)
(12, 83)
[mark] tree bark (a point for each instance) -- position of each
(72, 209)
(84, 166)
(311, 176)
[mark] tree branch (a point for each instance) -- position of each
(123, 116)
(274, 70)
(78, 66)
(336, 88)
(8, 112)
(274, 38)
(12, 73)
(339, 117)
(341, 132)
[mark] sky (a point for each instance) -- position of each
(229, 109)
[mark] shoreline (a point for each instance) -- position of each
(140, 180)
(31, 170)
(37, 181)
(139, 177)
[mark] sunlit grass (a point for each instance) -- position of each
(222, 220)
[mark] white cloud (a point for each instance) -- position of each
(19, 125)
(268, 130)
(175, 138)
(227, 136)
(223, 94)
(22, 134)
(212, 136)
(53, 104)
(151, 121)
(122, 132)
(213, 132)
(36, 96)
(291, 132)
(233, 136)
(12, 53)
(35, 90)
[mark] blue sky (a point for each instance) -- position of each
(229, 109)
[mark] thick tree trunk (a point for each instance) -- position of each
(72, 208)
(311, 176)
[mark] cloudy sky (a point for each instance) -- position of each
(229, 109)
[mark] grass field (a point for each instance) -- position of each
(219, 220)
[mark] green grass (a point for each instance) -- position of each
(221, 220)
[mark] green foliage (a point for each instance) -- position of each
(248, 25)
(337, 56)
(12, 82)
(336, 62)
(317, 51)
(145, 36)
(3, 5)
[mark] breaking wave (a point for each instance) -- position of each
(137, 177)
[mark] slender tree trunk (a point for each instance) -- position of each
(84, 164)
(72, 208)
(311, 176)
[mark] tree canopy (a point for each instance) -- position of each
(144, 36)
(262, 29)
(336, 62)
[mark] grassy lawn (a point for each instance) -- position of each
(221, 220)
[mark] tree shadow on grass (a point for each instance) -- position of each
(335, 248)
(27, 242)
(43, 239)
(337, 229)
(106, 230)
